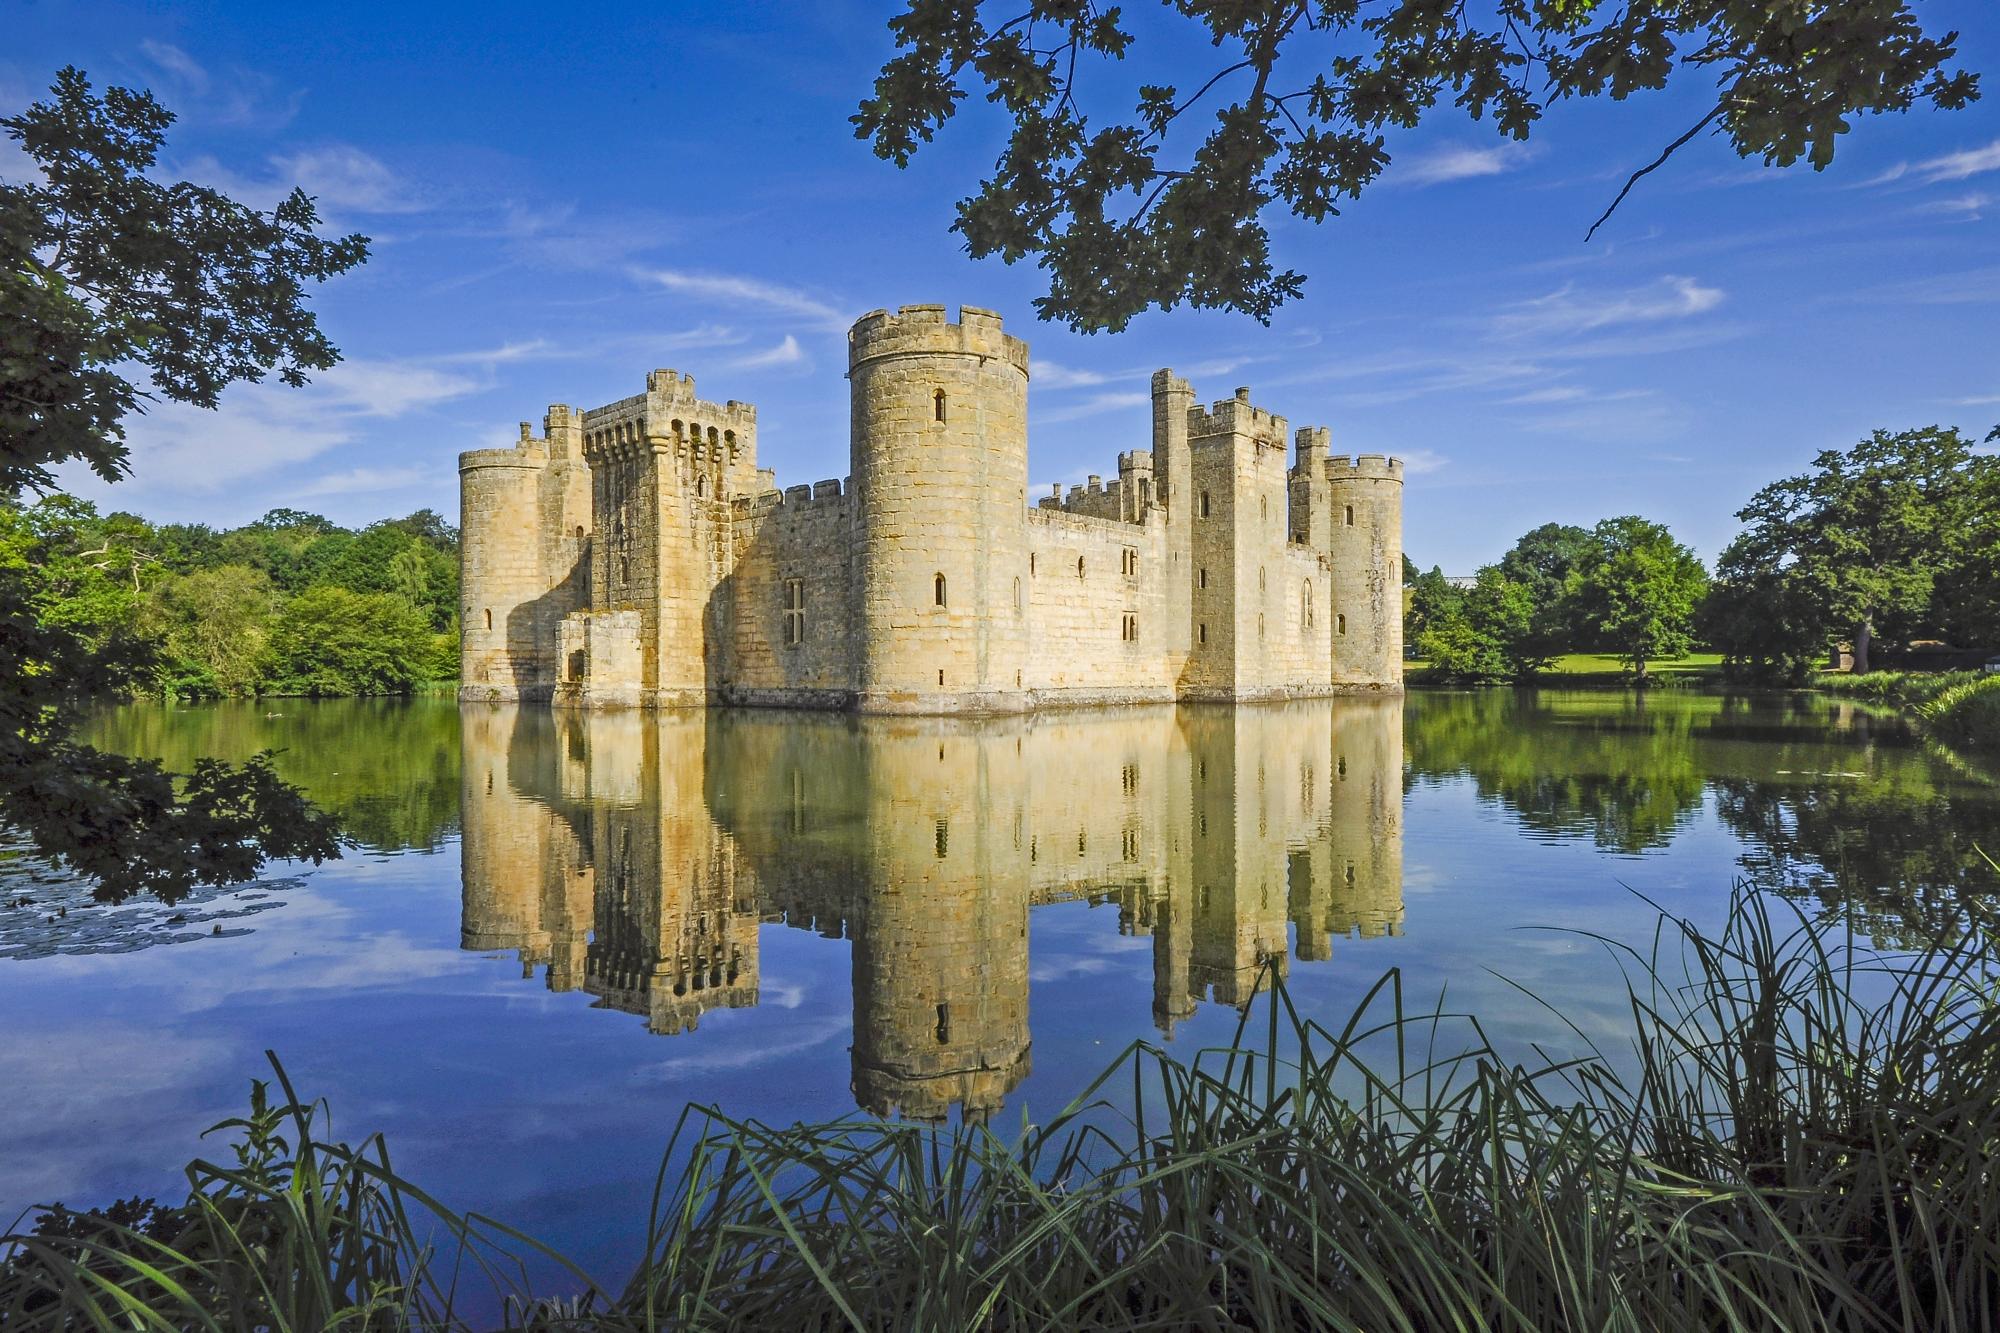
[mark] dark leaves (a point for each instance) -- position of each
(1133, 216)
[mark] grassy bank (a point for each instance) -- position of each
(1606, 671)
(1801, 1138)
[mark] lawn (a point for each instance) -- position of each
(1573, 669)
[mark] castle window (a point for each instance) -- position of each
(1340, 624)
(1130, 560)
(1130, 630)
(1017, 593)
(1260, 578)
(1201, 577)
(943, 839)
(1306, 604)
(1260, 624)
(944, 1023)
(624, 569)
(795, 611)
(579, 532)
(576, 665)
(701, 485)
(1350, 516)
(1264, 507)
(1031, 564)
(1201, 632)
(1204, 504)
(1079, 566)
(937, 590)
(937, 404)
(489, 617)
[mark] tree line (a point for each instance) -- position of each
(290, 604)
(1892, 541)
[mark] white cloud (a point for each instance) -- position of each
(786, 353)
(1559, 394)
(1980, 400)
(1957, 166)
(260, 429)
(1093, 406)
(1569, 310)
(1419, 461)
(370, 480)
(1049, 375)
(1964, 207)
(1457, 162)
(171, 60)
(738, 290)
(344, 179)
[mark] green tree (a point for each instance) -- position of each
(1153, 210)
(1545, 562)
(1433, 603)
(212, 627)
(1640, 589)
(105, 268)
(1858, 545)
(1487, 635)
(328, 640)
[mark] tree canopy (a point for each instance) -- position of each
(1894, 535)
(1169, 201)
(104, 268)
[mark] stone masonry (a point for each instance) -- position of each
(636, 555)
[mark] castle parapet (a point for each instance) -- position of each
(924, 330)
(1378, 467)
(1237, 416)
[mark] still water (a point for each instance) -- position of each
(554, 931)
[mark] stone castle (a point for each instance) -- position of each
(647, 860)
(635, 554)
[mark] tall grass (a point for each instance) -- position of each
(1801, 1137)
(1967, 714)
(1905, 689)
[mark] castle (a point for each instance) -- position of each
(635, 554)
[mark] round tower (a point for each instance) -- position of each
(1367, 550)
(501, 572)
(940, 466)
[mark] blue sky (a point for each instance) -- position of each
(564, 197)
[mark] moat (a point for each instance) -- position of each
(558, 928)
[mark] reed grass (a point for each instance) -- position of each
(1801, 1137)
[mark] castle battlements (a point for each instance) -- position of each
(636, 554)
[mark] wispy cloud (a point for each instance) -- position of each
(343, 178)
(1457, 162)
(786, 353)
(1416, 462)
(1972, 287)
(370, 480)
(1567, 393)
(735, 289)
(239, 97)
(173, 61)
(1569, 310)
(1957, 166)
(1049, 375)
(1964, 207)
(1978, 400)
(1094, 405)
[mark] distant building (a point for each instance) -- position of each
(635, 554)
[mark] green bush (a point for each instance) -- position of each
(331, 641)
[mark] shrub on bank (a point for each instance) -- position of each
(1784, 1154)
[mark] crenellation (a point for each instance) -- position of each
(635, 553)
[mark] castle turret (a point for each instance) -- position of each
(940, 464)
(1172, 472)
(1366, 513)
(524, 525)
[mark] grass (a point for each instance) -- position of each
(1802, 1138)
(1595, 670)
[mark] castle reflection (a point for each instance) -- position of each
(636, 856)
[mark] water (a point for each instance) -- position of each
(559, 929)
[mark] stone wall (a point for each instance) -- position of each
(1085, 577)
(791, 597)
